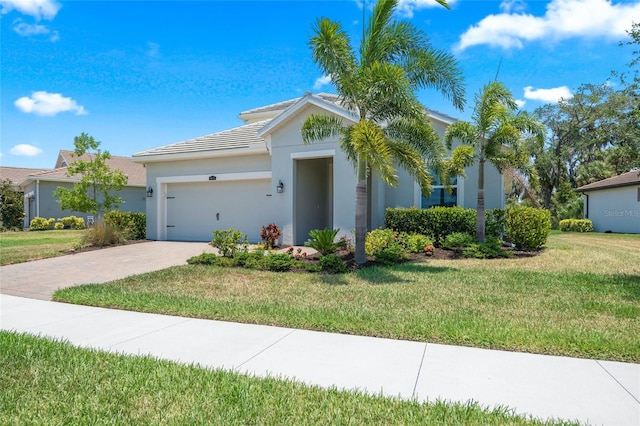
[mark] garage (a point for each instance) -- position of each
(195, 209)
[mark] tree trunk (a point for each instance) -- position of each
(361, 212)
(480, 220)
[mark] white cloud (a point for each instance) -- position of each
(325, 80)
(563, 19)
(520, 103)
(25, 150)
(39, 9)
(407, 7)
(26, 30)
(44, 103)
(548, 95)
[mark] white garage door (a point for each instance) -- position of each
(194, 210)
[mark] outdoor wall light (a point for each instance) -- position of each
(280, 187)
(150, 192)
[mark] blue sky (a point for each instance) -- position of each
(137, 75)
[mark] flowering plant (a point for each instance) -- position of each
(429, 250)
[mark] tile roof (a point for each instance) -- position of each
(236, 138)
(17, 174)
(281, 106)
(135, 172)
(625, 179)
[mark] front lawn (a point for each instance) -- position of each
(18, 247)
(49, 382)
(580, 297)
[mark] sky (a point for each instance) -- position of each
(141, 74)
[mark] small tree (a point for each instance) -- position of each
(11, 205)
(93, 193)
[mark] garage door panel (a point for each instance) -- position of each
(194, 210)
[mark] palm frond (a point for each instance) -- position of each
(419, 135)
(467, 133)
(320, 126)
(370, 142)
(412, 161)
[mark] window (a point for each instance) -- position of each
(440, 196)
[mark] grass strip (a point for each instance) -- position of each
(18, 247)
(50, 382)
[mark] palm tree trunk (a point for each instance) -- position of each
(361, 211)
(480, 220)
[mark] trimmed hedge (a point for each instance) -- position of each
(436, 222)
(132, 225)
(527, 227)
(41, 224)
(576, 225)
(72, 222)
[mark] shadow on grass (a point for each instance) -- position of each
(397, 274)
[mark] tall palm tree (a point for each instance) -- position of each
(498, 135)
(378, 86)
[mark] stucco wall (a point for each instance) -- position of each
(614, 209)
(47, 205)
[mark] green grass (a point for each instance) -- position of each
(50, 382)
(581, 297)
(18, 247)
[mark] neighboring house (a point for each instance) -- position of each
(38, 188)
(613, 204)
(262, 172)
(17, 175)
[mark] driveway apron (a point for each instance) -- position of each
(39, 279)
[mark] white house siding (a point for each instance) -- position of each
(47, 205)
(186, 206)
(288, 150)
(614, 209)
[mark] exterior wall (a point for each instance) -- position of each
(159, 173)
(287, 148)
(614, 209)
(46, 205)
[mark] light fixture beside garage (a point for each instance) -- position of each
(280, 187)
(150, 192)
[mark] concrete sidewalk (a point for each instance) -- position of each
(594, 392)
(40, 278)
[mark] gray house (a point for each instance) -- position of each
(38, 188)
(613, 204)
(262, 172)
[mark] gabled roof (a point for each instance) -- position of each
(17, 174)
(625, 179)
(273, 109)
(236, 141)
(135, 172)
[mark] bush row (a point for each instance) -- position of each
(69, 222)
(526, 227)
(576, 225)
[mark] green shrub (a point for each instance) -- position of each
(415, 243)
(527, 227)
(378, 240)
(132, 225)
(102, 234)
(457, 240)
(72, 222)
(246, 259)
(278, 262)
(228, 241)
(269, 235)
(203, 259)
(332, 264)
(11, 205)
(436, 222)
(495, 222)
(576, 225)
(490, 249)
(313, 267)
(41, 224)
(323, 240)
(58, 226)
(391, 255)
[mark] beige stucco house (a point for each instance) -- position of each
(262, 172)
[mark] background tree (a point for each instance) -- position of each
(498, 135)
(94, 191)
(378, 86)
(11, 205)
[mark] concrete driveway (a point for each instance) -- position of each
(40, 278)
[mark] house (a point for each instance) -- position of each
(38, 187)
(262, 172)
(613, 204)
(17, 175)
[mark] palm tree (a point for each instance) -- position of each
(378, 86)
(498, 135)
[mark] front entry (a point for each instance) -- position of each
(313, 197)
